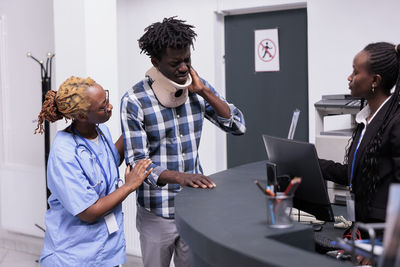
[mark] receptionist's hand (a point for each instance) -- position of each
(362, 260)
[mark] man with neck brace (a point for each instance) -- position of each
(162, 118)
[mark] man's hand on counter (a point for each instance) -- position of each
(185, 179)
(195, 180)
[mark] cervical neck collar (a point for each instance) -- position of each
(169, 93)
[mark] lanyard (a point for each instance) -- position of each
(354, 159)
(97, 157)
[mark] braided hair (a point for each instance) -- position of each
(68, 102)
(383, 59)
(171, 32)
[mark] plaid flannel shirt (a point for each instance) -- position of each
(170, 137)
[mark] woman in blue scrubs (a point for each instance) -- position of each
(84, 224)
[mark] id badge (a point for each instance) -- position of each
(111, 223)
(350, 207)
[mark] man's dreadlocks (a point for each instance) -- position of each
(171, 32)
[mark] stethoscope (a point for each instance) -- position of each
(80, 148)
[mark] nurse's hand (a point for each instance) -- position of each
(135, 177)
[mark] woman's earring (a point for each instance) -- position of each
(373, 89)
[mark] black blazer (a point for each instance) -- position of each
(388, 166)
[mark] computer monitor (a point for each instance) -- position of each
(295, 158)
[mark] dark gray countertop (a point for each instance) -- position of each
(226, 226)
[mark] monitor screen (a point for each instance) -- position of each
(295, 158)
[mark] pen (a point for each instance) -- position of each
(266, 190)
(272, 216)
(269, 192)
(259, 186)
(293, 185)
(291, 188)
(344, 245)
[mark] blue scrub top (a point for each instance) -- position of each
(68, 240)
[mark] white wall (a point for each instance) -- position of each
(86, 46)
(27, 26)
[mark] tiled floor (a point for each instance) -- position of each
(17, 250)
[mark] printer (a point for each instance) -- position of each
(339, 102)
(331, 144)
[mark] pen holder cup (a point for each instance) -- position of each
(278, 211)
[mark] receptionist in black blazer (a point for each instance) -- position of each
(373, 157)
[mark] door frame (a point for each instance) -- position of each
(220, 75)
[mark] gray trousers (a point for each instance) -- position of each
(159, 240)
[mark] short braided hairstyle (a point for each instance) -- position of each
(171, 32)
(68, 102)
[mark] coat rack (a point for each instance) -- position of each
(45, 73)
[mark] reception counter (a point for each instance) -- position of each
(226, 226)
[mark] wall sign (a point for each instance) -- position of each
(266, 48)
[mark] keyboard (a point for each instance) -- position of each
(323, 243)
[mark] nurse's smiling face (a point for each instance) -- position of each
(100, 109)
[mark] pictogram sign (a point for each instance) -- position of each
(266, 50)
